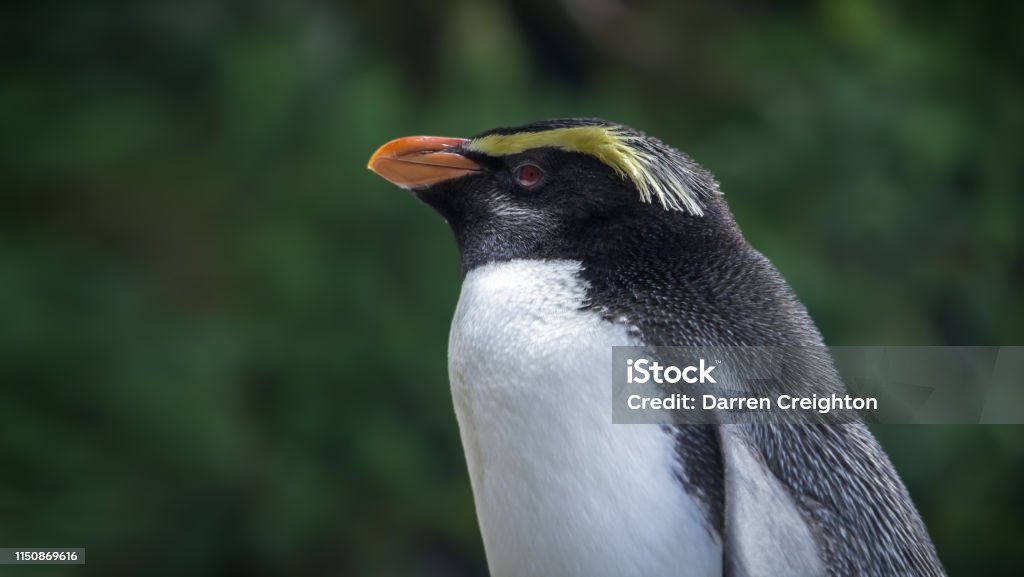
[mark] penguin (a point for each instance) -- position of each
(579, 235)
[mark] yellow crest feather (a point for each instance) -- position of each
(622, 151)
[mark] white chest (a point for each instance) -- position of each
(560, 490)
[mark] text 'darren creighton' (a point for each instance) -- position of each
(817, 385)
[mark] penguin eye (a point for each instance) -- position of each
(528, 175)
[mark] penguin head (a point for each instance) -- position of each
(556, 189)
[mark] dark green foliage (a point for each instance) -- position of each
(223, 340)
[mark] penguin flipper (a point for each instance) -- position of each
(765, 534)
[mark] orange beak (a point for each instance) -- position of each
(418, 161)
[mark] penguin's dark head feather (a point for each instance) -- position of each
(557, 189)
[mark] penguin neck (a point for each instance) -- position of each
(687, 280)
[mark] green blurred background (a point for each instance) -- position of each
(223, 340)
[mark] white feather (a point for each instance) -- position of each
(560, 491)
